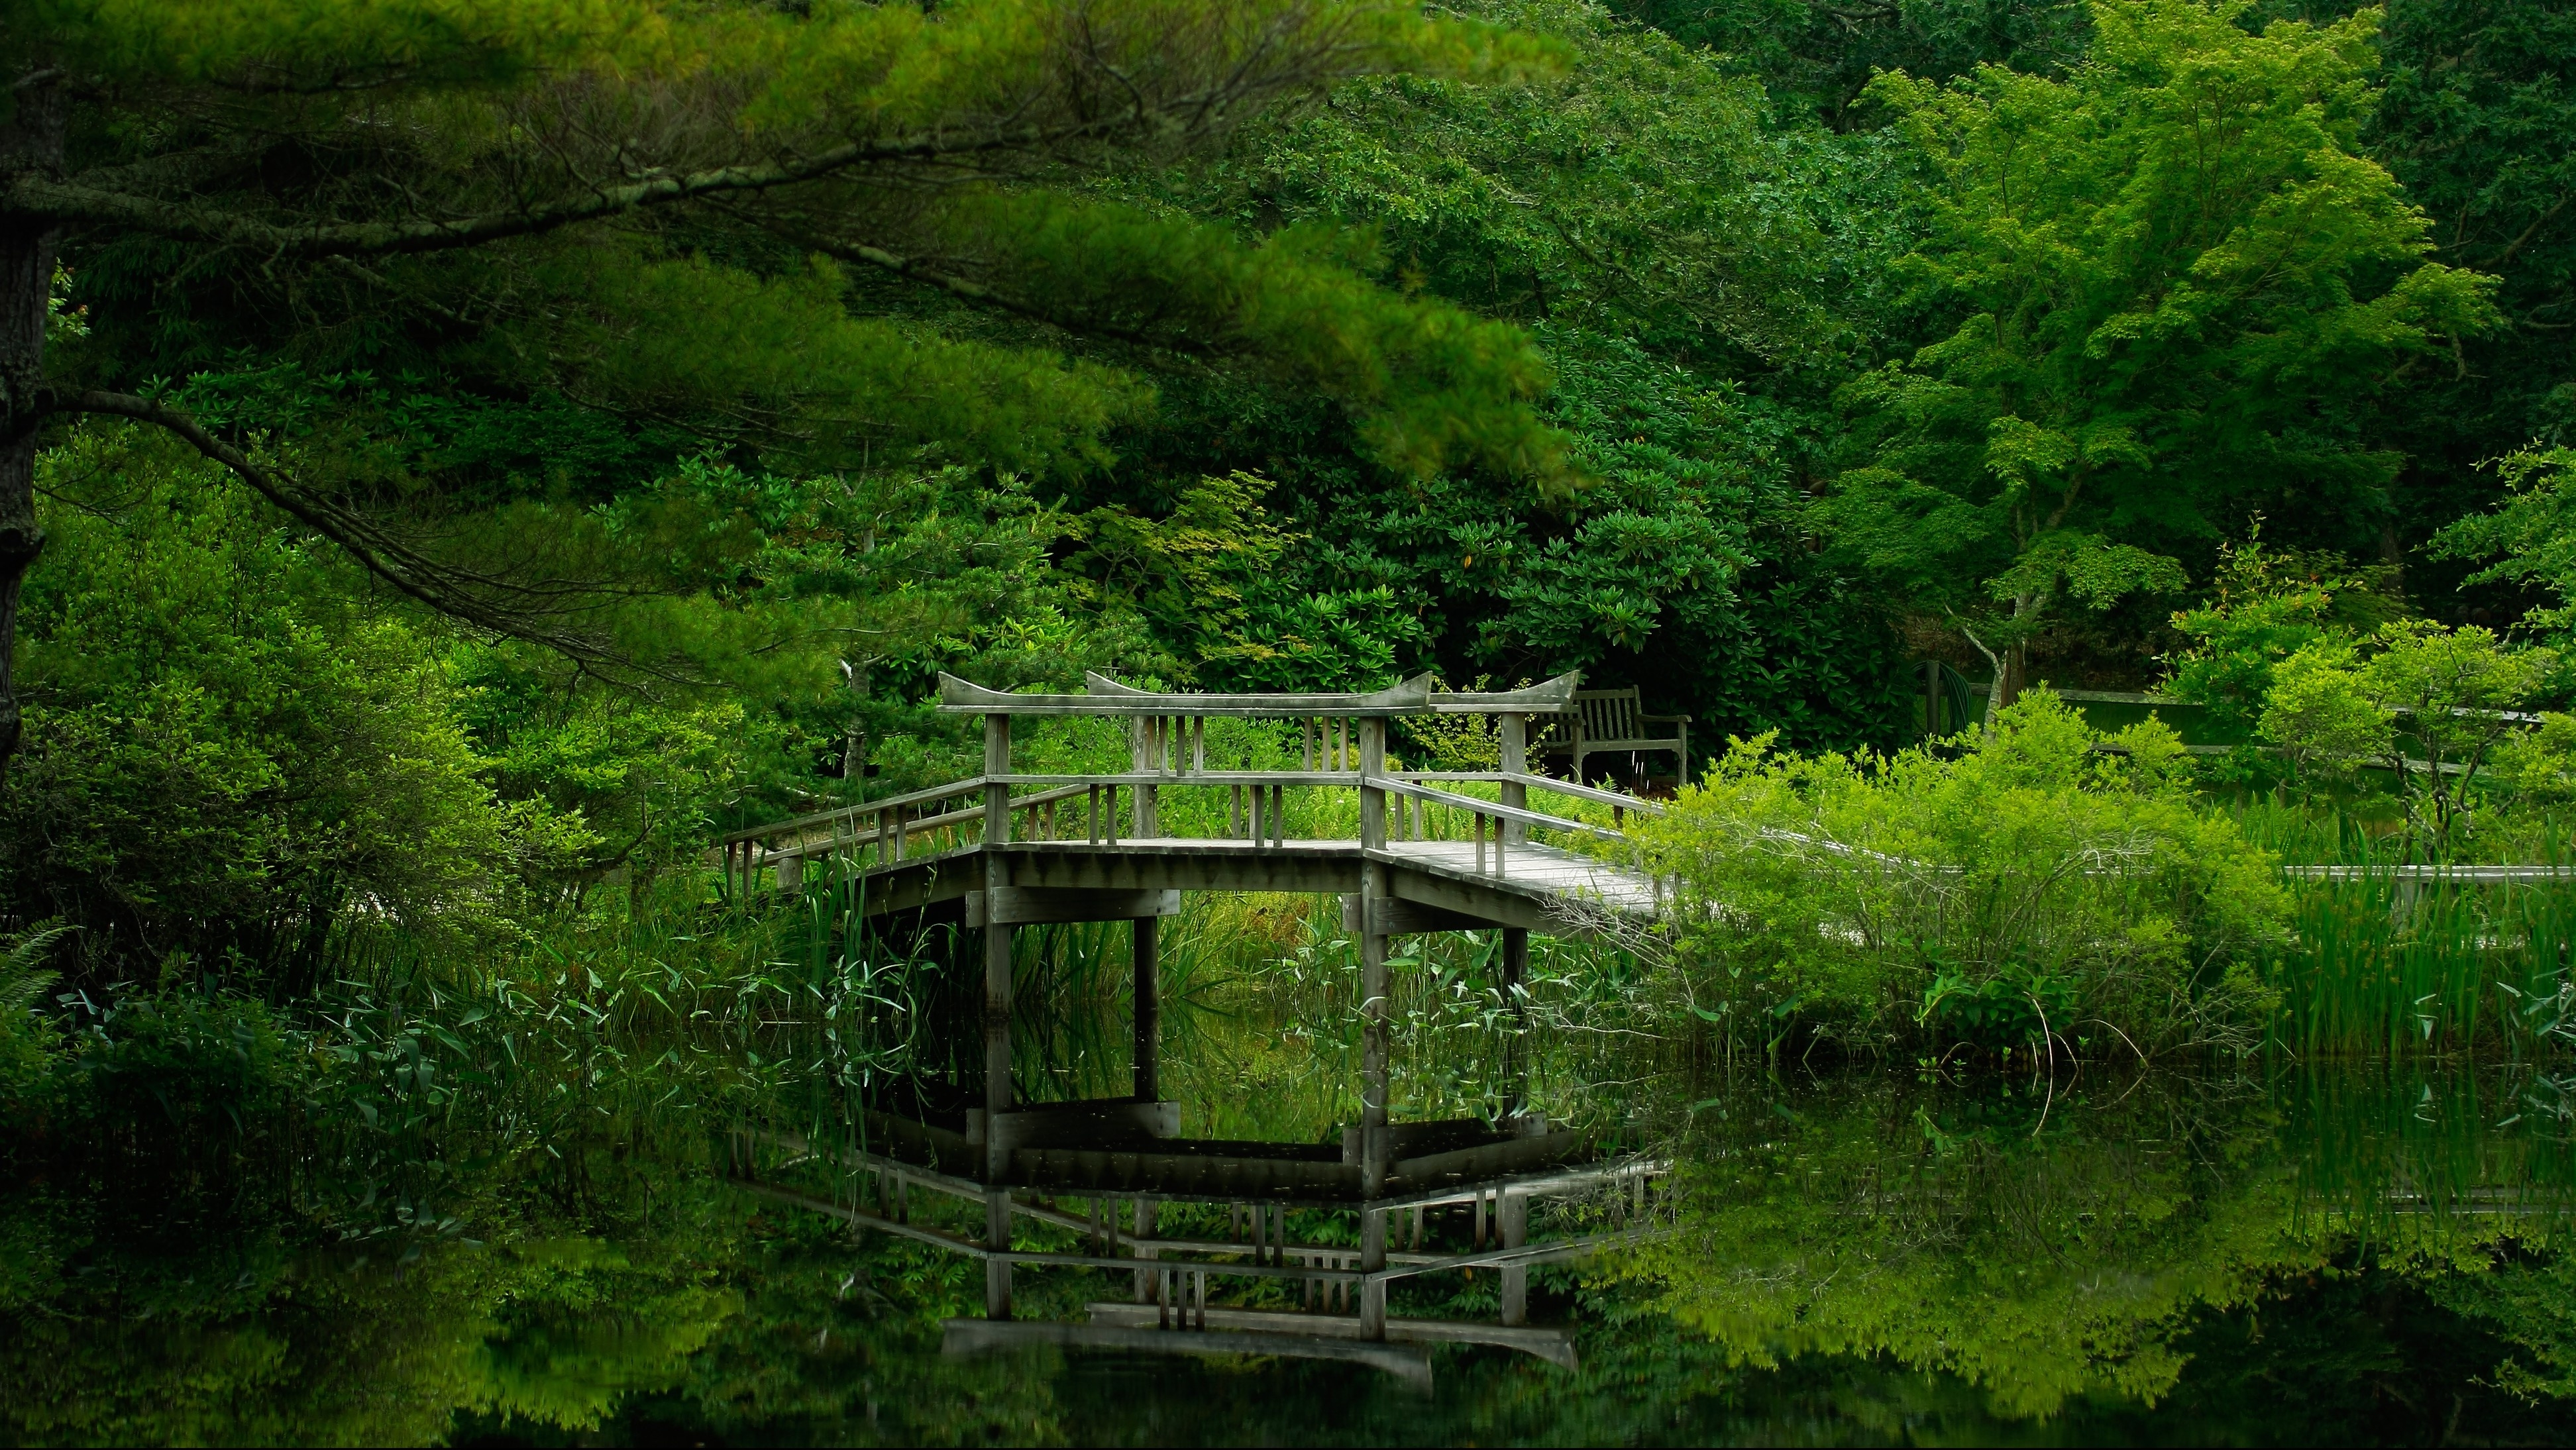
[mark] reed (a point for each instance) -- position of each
(2383, 964)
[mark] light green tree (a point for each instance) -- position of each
(2179, 279)
(2431, 706)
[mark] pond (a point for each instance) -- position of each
(1875, 1253)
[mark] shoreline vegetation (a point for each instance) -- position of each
(458, 462)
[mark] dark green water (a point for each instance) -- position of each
(2362, 1255)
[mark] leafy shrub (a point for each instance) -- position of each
(2433, 707)
(184, 1062)
(231, 754)
(2045, 873)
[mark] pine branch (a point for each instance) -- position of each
(458, 593)
(62, 202)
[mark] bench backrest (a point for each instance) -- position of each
(1606, 715)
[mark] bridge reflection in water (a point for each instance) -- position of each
(1005, 850)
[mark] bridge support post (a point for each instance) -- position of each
(1372, 1259)
(1149, 1009)
(1145, 1229)
(1375, 1044)
(1145, 757)
(1515, 972)
(1512, 1215)
(997, 1021)
(1373, 985)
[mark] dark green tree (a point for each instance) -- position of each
(2182, 283)
(656, 213)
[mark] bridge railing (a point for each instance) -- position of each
(1341, 746)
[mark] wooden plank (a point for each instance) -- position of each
(921, 881)
(1345, 779)
(1410, 918)
(1547, 697)
(1407, 1362)
(964, 697)
(969, 785)
(1415, 1139)
(1594, 794)
(1487, 1160)
(2480, 875)
(1098, 1123)
(1485, 902)
(1515, 814)
(1035, 905)
(1299, 866)
(1553, 1345)
(1159, 1173)
(864, 1219)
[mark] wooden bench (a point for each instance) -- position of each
(1611, 721)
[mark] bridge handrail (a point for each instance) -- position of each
(1068, 785)
(1593, 794)
(949, 791)
(1346, 778)
(1517, 815)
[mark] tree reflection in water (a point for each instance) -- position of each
(2368, 1254)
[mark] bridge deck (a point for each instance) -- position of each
(1448, 884)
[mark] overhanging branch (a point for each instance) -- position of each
(72, 202)
(452, 592)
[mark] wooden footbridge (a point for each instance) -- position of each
(1412, 851)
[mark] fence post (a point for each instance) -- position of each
(1515, 730)
(1372, 764)
(1145, 757)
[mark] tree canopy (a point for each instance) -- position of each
(2182, 286)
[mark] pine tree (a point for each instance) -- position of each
(663, 210)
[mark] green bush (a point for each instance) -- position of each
(231, 753)
(2042, 883)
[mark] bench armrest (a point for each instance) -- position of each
(1665, 719)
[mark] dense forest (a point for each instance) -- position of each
(462, 455)
(2098, 475)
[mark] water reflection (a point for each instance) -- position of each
(1863, 1257)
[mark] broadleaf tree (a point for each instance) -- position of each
(2179, 285)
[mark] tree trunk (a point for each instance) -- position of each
(31, 139)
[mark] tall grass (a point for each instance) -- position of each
(2383, 964)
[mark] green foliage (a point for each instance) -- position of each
(1670, 255)
(1428, 386)
(2431, 706)
(1633, 196)
(1929, 894)
(2531, 536)
(2478, 120)
(2264, 606)
(2182, 281)
(1209, 578)
(26, 1031)
(2532, 1301)
(2390, 966)
(237, 754)
(1819, 56)
(2070, 1247)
